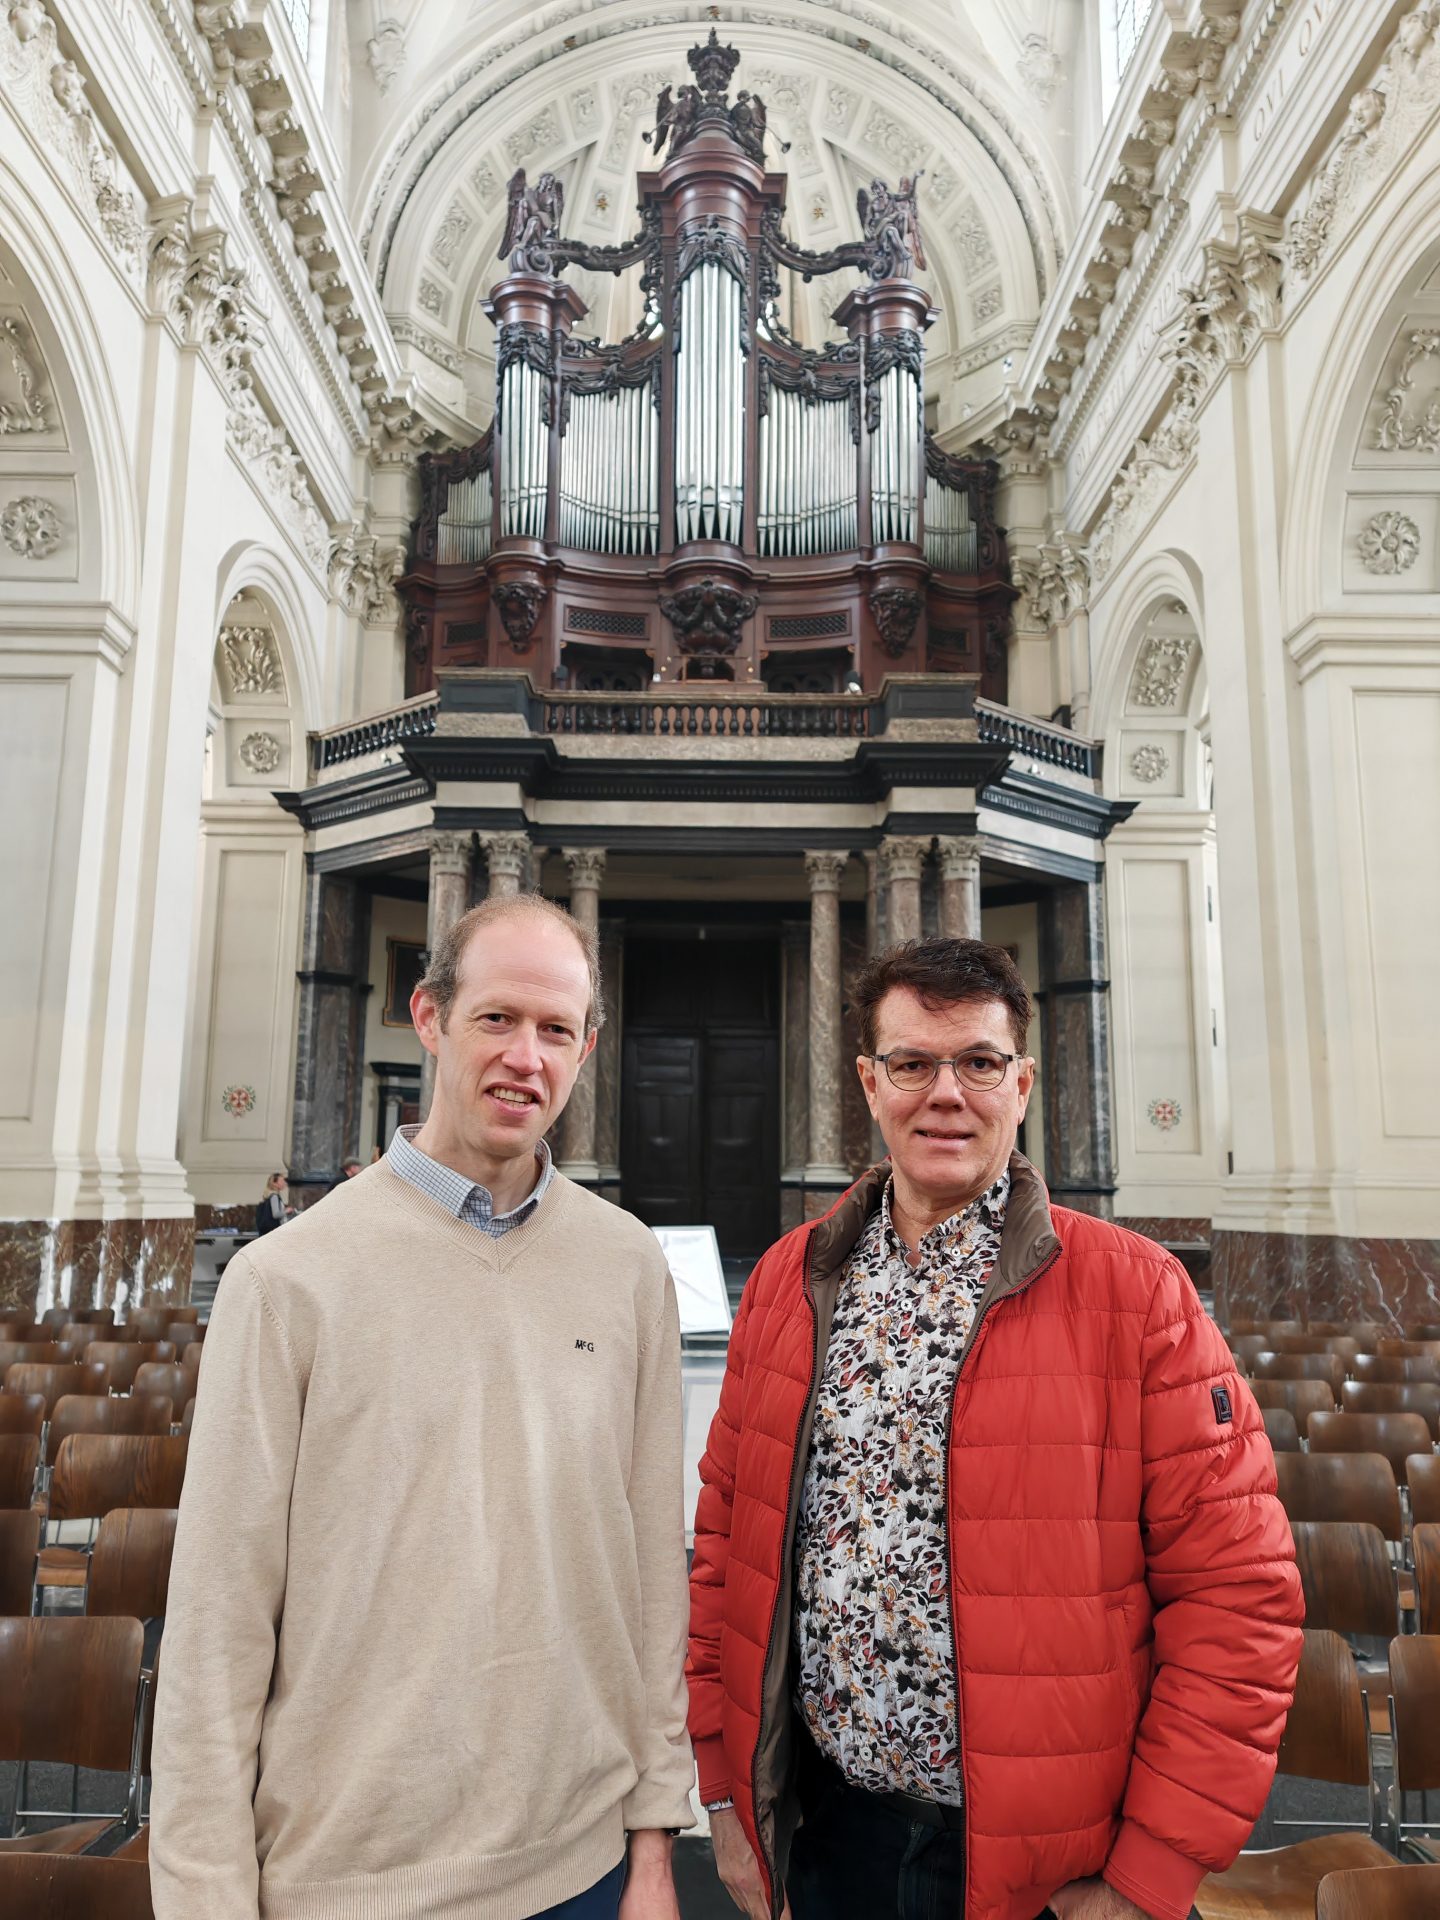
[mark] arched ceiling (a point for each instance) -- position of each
(571, 89)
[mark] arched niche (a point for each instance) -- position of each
(256, 740)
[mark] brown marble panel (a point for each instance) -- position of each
(1286, 1276)
(1167, 1227)
(24, 1250)
(241, 1215)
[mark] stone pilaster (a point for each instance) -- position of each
(959, 860)
(900, 863)
(579, 1157)
(824, 1169)
(451, 865)
(1075, 1024)
(508, 855)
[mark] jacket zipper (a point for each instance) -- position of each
(965, 1352)
(786, 1548)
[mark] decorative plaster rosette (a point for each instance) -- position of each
(30, 527)
(1164, 1114)
(1390, 543)
(238, 1101)
(260, 752)
(1149, 763)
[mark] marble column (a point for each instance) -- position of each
(795, 1118)
(607, 1059)
(824, 1169)
(509, 858)
(1075, 1028)
(874, 905)
(579, 1156)
(900, 861)
(959, 887)
(334, 979)
(451, 864)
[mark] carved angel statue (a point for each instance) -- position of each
(664, 121)
(532, 225)
(891, 227)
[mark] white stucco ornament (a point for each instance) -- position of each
(260, 752)
(30, 527)
(1149, 763)
(1390, 543)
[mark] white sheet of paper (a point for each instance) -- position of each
(694, 1257)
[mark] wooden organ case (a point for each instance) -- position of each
(708, 500)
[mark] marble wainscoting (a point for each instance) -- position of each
(217, 1219)
(96, 1263)
(1285, 1276)
(1188, 1235)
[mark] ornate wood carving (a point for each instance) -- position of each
(895, 611)
(707, 618)
(518, 603)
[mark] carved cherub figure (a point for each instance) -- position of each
(532, 224)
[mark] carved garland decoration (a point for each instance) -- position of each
(702, 241)
(1397, 432)
(901, 347)
(522, 340)
(707, 618)
(812, 383)
(438, 473)
(518, 603)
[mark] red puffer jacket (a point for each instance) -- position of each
(1124, 1596)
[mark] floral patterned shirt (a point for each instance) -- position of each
(876, 1668)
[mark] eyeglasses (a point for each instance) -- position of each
(980, 1069)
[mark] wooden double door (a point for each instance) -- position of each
(700, 1087)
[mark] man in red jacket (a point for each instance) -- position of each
(992, 1604)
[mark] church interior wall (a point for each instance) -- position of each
(393, 922)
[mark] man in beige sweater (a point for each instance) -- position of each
(424, 1647)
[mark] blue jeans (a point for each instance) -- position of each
(602, 1902)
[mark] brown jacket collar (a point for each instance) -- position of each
(1028, 1241)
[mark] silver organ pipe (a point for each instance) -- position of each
(895, 457)
(608, 495)
(709, 408)
(808, 476)
(464, 529)
(524, 445)
(950, 536)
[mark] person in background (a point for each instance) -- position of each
(275, 1209)
(461, 1362)
(348, 1171)
(994, 1609)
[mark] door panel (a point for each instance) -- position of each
(660, 1148)
(740, 1161)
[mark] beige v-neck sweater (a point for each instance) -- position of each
(425, 1638)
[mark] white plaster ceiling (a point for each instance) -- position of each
(856, 91)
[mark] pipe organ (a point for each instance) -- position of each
(709, 498)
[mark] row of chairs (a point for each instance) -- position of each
(1328, 1738)
(53, 1381)
(1322, 1329)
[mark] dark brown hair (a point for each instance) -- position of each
(442, 976)
(940, 972)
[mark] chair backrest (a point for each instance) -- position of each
(59, 1886)
(67, 1690)
(1411, 1349)
(1422, 1471)
(27, 1353)
(1396, 1435)
(93, 1316)
(86, 1413)
(183, 1334)
(176, 1314)
(95, 1472)
(1301, 1366)
(1415, 1685)
(53, 1319)
(1340, 1486)
(1299, 1397)
(1395, 1367)
(1246, 1346)
(1339, 1344)
(1425, 1544)
(124, 1358)
(54, 1382)
(1326, 1736)
(1379, 1893)
(19, 1544)
(1430, 1332)
(19, 1457)
(22, 1412)
(187, 1419)
(1405, 1396)
(150, 1322)
(164, 1376)
(130, 1564)
(1346, 1574)
(1280, 1429)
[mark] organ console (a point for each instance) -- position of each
(708, 499)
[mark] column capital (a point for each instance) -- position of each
(958, 854)
(902, 857)
(586, 865)
(508, 854)
(451, 852)
(823, 869)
